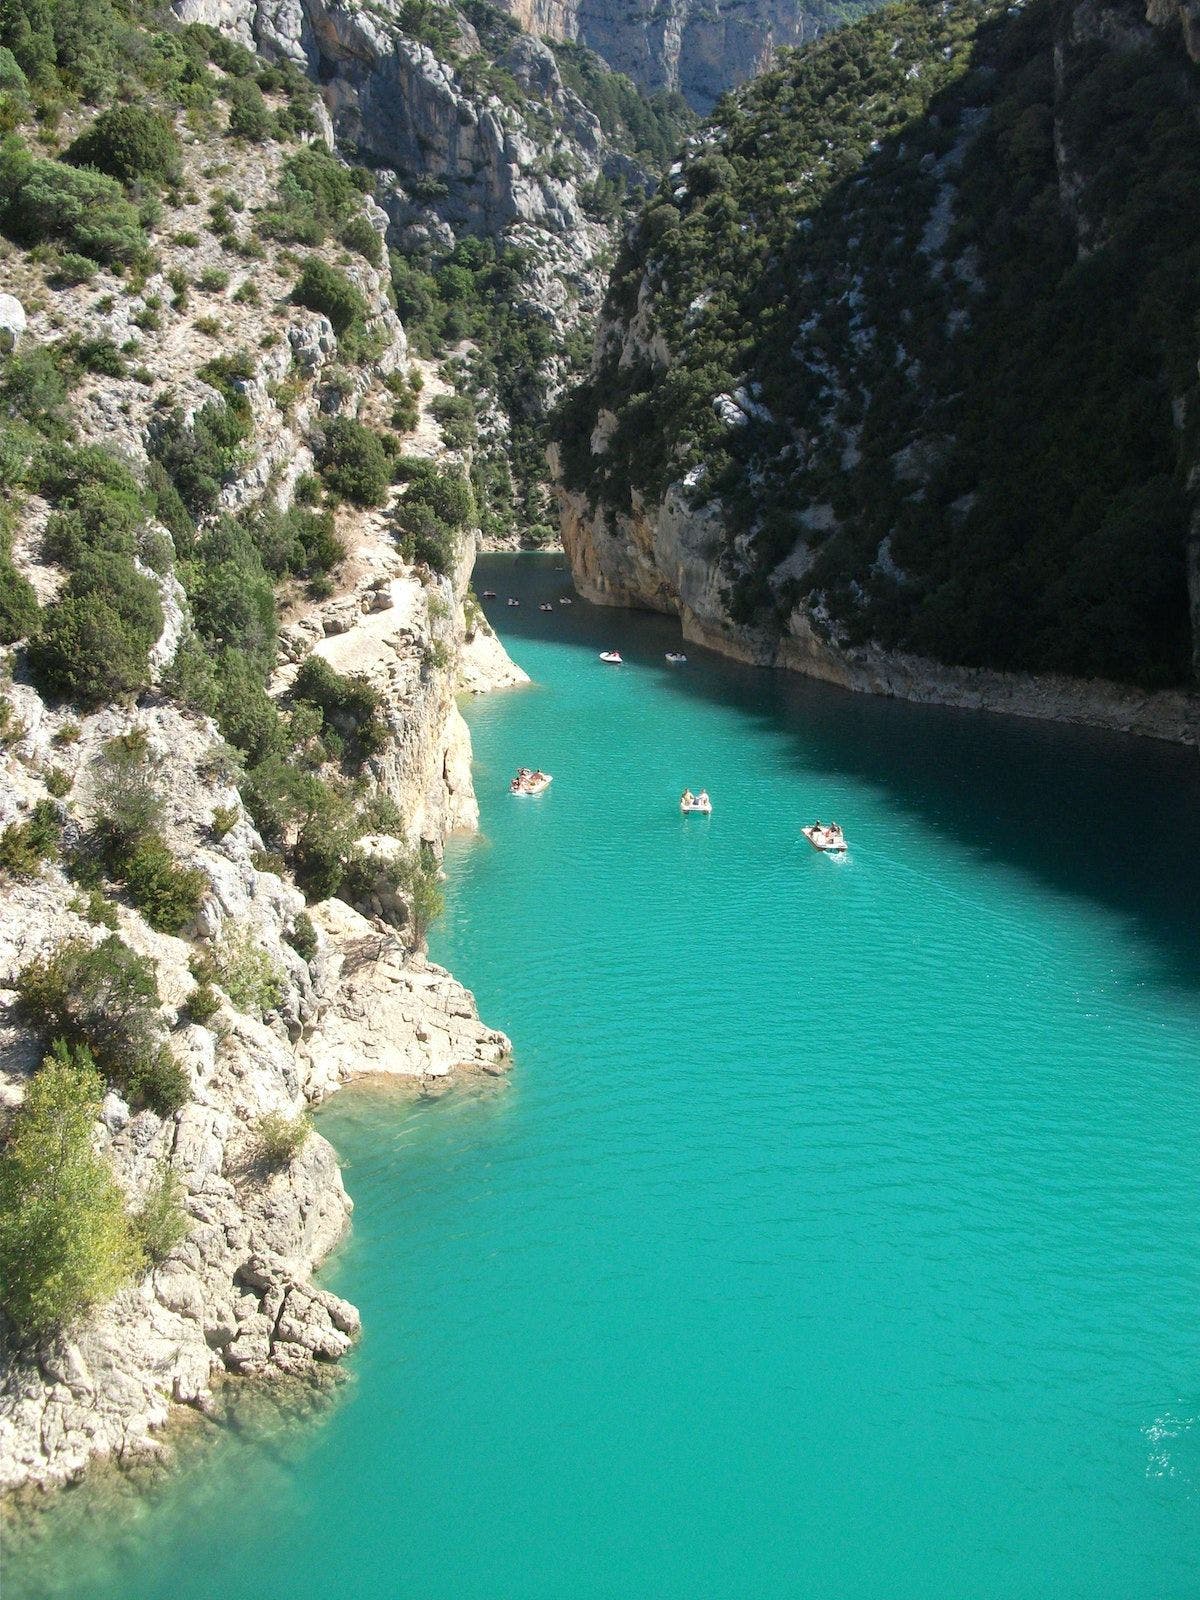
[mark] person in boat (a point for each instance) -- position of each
(687, 798)
(702, 798)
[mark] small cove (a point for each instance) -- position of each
(837, 1234)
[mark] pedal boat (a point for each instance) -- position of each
(822, 839)
(546, 608)
(703, 807)
(676, 658)
(537, 785)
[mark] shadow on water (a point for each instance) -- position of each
(1105, 816)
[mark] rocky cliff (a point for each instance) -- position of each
(895, 382)
(699, 50)
(188, 454)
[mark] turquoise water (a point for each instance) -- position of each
(837, 1235)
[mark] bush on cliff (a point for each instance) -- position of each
(131, 143)
(249, 115)
(18, 603)
(25, 846)
(85, 651)
(160, 1222)
(353, 462)
(278, 1139)
(349, 703)
(66, 1243)
(324, 289)
(105, 998)
(43, 201)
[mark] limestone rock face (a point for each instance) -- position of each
(12, 323)
(699, 49)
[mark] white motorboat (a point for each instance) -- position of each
(489, 594)
(829, 839)
(565, 601)
(611, 658)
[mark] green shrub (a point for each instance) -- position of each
(47, 201)
(105, 997)
(65, 1241)
(203, 1004)
(100, 912)
(224, 819)
(381, 814)
(302, 937)
(456, 415)
(32, 387)
(349, 703)
(324, 289)
(278, 1139)
(131, 143)
(18, 603)
(444, 490)
(415, 873)
(213, 280)
(131, 803)
(353, 462)
(87, 653)
(26, 846)
(246, 714)
(423, 536)
(166, 894)
(317, 195)
(160, 1223)
(58, 783)
(359, 235)
(70, 270)
(249, 115)
(246, 972)
(198, 456)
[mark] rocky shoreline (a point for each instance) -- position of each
(236, 1297)
(662, 560)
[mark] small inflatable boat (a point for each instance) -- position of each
(611, 658)
(827, 839)
(535, 783)
(675, 658)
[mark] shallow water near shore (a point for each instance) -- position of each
(838, 1233)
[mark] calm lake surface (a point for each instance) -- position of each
(838, 1235)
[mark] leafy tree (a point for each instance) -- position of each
(65, 1240)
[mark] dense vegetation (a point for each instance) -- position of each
(948, 366)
